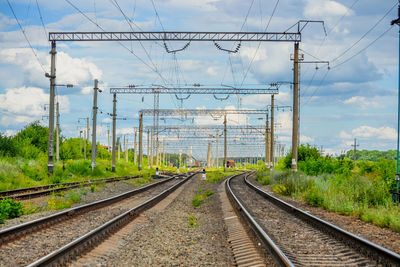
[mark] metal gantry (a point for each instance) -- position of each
(286, 36)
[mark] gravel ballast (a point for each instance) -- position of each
(163, 237)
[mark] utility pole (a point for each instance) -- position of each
(225, 145)
(355, 152)
(152, 147)
(52, 76)
(272, 133)
(209, 156)
(397, 196)
(216, 150)
(94, 146)
(266, 141)
(140, 142)
(148, 148)
(126, 149)
(190, 156)
(135, 150)
(58, 133)
(80, 142)
(163, 155)
(84, 145)
(295, 128)
(114, 115)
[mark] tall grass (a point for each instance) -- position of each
(366, 198)
(18, 172)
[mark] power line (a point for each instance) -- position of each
(317, 88)
(26, 37)
(41, 19)
(362, 50)
(365, 34)
(119, 42)
(259, 44)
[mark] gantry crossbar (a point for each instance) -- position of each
(190, 91)
(177, 36)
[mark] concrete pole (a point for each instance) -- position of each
(135, 150)
(225, 146)
(50, 161)
(209, 156)
(272, 133)
(152, 147)
(58, 133)
(295, 128)
(94, 147)
(114, 115)
(355, 153)
(127, 150)
(148, 149)
(216, 151)
(80, 143)
(190, 156)
(140, 167)
(163, 154)
(267, 142)
(84, 146)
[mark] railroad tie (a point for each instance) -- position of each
(244, 252)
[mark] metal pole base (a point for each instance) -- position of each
(50, 168)
(113, 169)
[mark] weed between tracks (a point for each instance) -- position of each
(192, 221)
(201, 197)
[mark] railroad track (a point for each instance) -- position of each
(69, 231)
(38, 191)
(296, 238)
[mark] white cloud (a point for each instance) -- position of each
(306, 139)
(212, 71)
(327, 8)
(69, 70)
(362, 102)
(264, 100)
(368, 132)
(26, 104)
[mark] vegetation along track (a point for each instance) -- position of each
(32, 192)
(23, 244)
(296, 238)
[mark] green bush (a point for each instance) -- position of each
(10, 209)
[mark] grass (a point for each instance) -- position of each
(64, 201)
(213, 175)
(192, 221)
(20, 173)
(201, 197)
(363, 197)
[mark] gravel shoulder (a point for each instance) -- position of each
(163, 237)
(384, 237)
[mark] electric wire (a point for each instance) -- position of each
(26, 37)
(364, 35)
(119, 42)
(259, 44)
(316, 89)
(41, 19)
(362, 50)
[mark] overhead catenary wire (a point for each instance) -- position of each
(26, 37)
(41, 19)
(365, 48)
(119, 42)
(364, 35)
(259, 44)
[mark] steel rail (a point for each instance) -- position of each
(47, 189)
(28, 227)
(371, 250)
(274, 250)
(89, 240)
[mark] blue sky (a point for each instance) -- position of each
(356, 99)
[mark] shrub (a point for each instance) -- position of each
(10, 209)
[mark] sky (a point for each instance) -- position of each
(356, 97)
